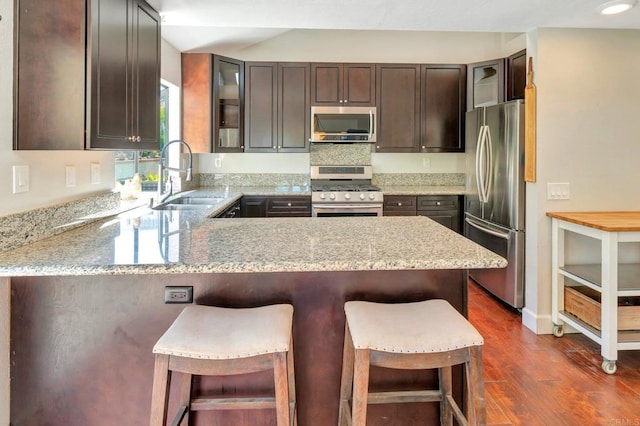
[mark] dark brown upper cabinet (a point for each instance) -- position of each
(496, 81)
(108, 79)
(516, 75)
(398, 107)
(443, 92)
(277, 107)
(212, 103)
(49, 81)
(485, 83)
(343, 84)
(124, 51)
(420, 108)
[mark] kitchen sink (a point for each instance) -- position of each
(171, 206)
(196, 200)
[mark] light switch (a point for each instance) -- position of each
(557, 191)
(95, 173)
(70, 176)
(20, 179)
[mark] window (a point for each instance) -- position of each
(128, 163)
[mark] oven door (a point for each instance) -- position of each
(346, 210)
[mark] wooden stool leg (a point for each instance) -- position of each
(282, 388)
(446, 413)
(185, 396)
(360, 386)
(476, 411)
(346, 382)
(293, 413)
(160, 391)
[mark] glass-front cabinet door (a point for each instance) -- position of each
(486, 84)
(228, 104)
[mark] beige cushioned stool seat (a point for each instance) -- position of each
(209, 332)
(220, 342)
(419, 327)
(425, 335)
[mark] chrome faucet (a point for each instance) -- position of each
(162, 168)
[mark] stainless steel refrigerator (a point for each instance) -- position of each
(495, 194)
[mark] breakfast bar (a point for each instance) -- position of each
(88, 305)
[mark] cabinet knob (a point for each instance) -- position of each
(345, 101)
(340, 101)
(399, 204)
(288, 204)
(424, 147)
(438, 203)
(138, 138)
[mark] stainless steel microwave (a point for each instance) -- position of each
(343, 124)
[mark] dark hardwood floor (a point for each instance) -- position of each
(544, 380)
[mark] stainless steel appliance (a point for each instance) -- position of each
(336, 124)
(344, 191)
(495, 194)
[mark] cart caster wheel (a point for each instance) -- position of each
(609, 367)
(558, 330)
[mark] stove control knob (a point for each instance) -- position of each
(372, 196)
(332, 196)
(347, 196)
(323, 196)
(362, 196)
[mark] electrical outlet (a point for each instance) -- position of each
(557, 191)
(70, 176)
(426, 163)
(178, 294)
(95, 173)
(218, 162)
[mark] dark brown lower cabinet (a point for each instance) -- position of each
(444, 209)
(263, 206)
(399, 205)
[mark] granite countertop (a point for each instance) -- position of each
(146, 241)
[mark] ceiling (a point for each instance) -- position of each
(192, 25)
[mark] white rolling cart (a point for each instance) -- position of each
(610, 278)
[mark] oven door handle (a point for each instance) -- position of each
(347, 206)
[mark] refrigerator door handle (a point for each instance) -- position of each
(504, 236)
(480, 175)
(488, 177)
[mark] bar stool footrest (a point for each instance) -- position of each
(404, 396)
(199, 404)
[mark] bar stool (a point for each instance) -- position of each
(410, 336)
(206, 340)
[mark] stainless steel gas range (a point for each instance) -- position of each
(344, 191)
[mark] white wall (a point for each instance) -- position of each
(588, 135)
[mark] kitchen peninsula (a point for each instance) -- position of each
(87, 305)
